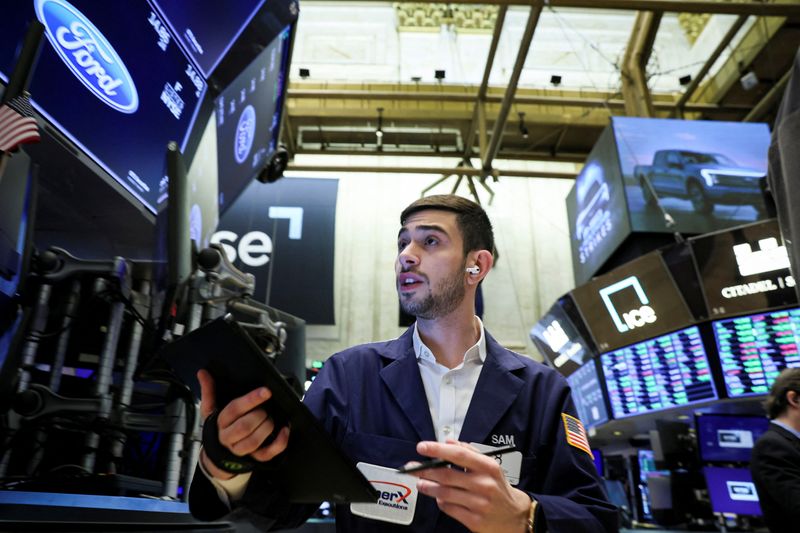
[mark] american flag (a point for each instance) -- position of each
(17, 124)
(576, 435)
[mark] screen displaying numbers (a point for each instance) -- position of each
(664, 372)
(754, 349)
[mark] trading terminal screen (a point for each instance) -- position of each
(587, 393)
(728, 439)
(558, 340)
(667, 371)
(754, 349)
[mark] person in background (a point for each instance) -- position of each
(444, 389)
(775, 464)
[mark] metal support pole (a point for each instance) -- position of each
(38, 326)
(177, 413)
(63, 339)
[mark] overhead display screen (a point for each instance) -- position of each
(587, 393)
(726, 439)
(707, 175)
(744, 269)
(113, 81)
(598, 221)
(556, 337)
(754, 349)
(248, 119)
(668, 371)
(631, 303)
(206, 30)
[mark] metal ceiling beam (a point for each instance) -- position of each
(786, 8)
(769, 99)
(527, 155)
(508, 98)
(638, 102)
(487, 70)
(453, 96)
(723, 44)
(462, 170)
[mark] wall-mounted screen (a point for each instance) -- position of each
(249, 115)
(558, 340)
(744, 269)
(754, 349)
(732, 490)
(631, 303)
(112, 80)
(707, 175)
(727, 438)
(587, 393)
(668, 371)
(598, 222)
(205, 30)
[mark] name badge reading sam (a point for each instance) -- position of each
(397, 495)
(510, 463)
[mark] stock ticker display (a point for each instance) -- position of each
(587, 393)
(667, 371)
(754, 349)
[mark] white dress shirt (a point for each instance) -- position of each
(449, 391)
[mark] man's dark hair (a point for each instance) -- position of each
(776, 403)
(471, 219)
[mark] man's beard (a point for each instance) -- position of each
(449, 294)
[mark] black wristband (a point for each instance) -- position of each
(222, 457)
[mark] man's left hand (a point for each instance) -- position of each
(479, 496)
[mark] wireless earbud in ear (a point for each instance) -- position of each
(473, 270)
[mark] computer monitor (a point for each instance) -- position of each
(118, 88)
(731, 490)
(728, 438)
(249, 112)
(588, 396)
(667, 371)
(673, 445)
(559, 341)
(754, 349)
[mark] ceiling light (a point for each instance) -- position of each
(379, 129)
(522, 128)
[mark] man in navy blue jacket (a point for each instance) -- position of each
(444, 389)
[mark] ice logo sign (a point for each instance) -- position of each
(634, 318)
(88, 54)
(245, 132)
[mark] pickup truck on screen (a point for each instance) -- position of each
(706, 180)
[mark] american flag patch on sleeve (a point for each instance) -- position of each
(576, 435)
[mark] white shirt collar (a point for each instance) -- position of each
(477, 350)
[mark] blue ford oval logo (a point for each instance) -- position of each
(88, 54)
(245, 131)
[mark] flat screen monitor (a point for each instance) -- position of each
(634, 302)
(559, 341)
(754, 349)
(731, 490)
(249, 113)
(707, 175)
(727, 438)
(744, 269)
(113, 81)
(205, 30)
(587, 394)
(596, 210)
(667, 371)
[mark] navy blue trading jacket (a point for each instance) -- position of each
(372, 401)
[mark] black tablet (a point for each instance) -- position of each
(314, 468)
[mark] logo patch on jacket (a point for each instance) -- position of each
(576, 435)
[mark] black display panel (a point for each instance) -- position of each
(754, 349)
(668, 371)
(707, 175)
(587, 393)
(206, 29)
(598, 221)
(744, 269)
(728, 439)
(558, 340)
(249, 115)
(631, 303)
(110, 80)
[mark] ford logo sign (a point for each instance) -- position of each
(88, 54)
(245, 131)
